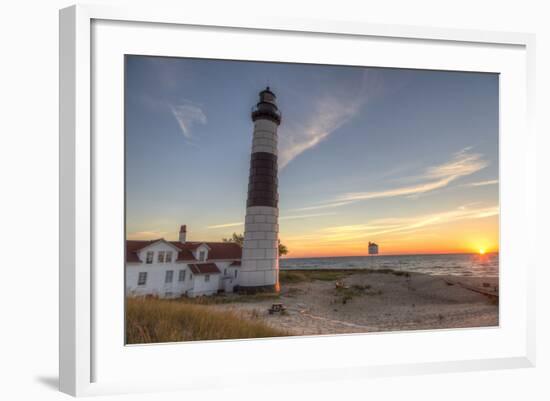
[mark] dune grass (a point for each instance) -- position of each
(300, 276)
(220, 299)
(157, 320)
(290, 277)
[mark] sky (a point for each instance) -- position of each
(405, 158)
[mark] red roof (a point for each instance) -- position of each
(132, 247)
(217, 251)
(204, 268)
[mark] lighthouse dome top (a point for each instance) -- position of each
(267, 95)
(267, 107)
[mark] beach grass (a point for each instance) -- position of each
(291, 277)
(151, 320)
(345, 294)
(300, 276)
(223, 298)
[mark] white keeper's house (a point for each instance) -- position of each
(170, 269)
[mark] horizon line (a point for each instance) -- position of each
(388, 254)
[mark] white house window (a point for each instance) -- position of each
(225, 272)
(169, 276)
(202, 256)
(168, 257)
(160, 257)
(168, 294)
(149, 257)
(181, 275)
(236, 273)
(206, 278)
(142, 278)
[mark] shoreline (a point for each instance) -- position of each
(391, 254)
(370, 270)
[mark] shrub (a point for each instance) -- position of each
(327, 275)
(361, 287)
(289, 277)
(299, 276)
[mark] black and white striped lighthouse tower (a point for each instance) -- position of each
(260, 258)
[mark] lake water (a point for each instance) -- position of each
(452, 264)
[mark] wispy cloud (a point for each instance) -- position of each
(188, 114)
(481, 183)
(328, 113)
(147, 235)
(377, 227)
(305, 216)
(239, 223)
(462, 163)
(293, 217)
(392, 225)
(322, 206)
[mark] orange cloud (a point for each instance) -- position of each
(463, 229)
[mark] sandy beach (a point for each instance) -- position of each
(370, 301)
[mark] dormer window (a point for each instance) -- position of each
(202, 255)
(149, 257)
(160, 257)
(168, 257)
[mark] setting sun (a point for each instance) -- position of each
(482, 251)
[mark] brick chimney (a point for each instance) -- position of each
(183, 233)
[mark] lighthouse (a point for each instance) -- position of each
(260, 255)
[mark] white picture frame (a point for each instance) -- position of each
(82, 343)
